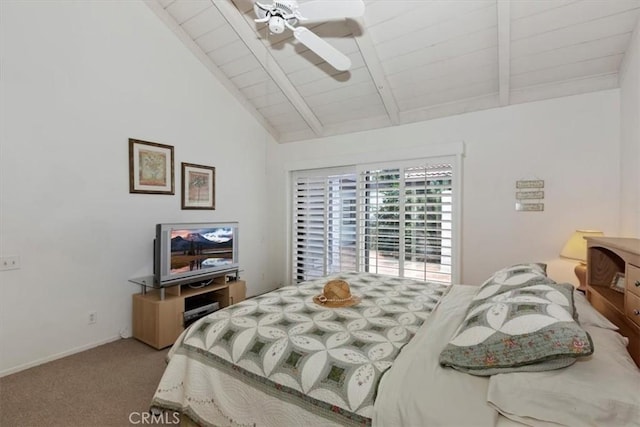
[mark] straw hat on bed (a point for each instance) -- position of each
(336, 293)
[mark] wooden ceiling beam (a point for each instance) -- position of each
(249, 37)
(373, 64)
(504, 50)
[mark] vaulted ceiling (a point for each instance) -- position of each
(411, 60)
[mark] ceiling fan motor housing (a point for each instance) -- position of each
(279, 14)
(287, 7)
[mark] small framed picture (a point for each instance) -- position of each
(617, 284)
(198, 186)
(150, 168)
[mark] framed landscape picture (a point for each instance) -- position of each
(618, 283)
(198, 186)
(150, 168)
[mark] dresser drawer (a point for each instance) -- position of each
(633, 279)
(632, 307)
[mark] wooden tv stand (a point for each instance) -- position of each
(158, 314)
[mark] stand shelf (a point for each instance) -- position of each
(607, 256)
(159, 314)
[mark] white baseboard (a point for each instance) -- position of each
(57, 356)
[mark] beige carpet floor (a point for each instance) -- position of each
(110, 385)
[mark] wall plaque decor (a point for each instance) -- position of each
(530, 183)
(150, 168)
(529, 195)
(522, 195)
(529, 207)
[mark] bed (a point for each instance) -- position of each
(281, 359)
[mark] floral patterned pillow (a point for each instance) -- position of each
(519, 327)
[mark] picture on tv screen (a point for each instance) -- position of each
(201, 249)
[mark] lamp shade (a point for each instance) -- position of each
(576, 246)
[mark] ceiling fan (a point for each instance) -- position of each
(283, 14)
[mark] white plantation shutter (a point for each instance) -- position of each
(428, 208)
(324, 223)
(341, 223)
(380, 212)
(308, 228)
(394, 219)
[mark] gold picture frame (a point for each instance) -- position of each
(150, 168)
(198, 186)
(618, 282)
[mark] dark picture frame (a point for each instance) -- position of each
(618, 282)
(198, 186)
(151, 169)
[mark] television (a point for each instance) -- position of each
(191, 252)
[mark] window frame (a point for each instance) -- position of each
(452, 153)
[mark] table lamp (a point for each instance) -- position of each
(576, 248)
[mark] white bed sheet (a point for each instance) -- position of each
(417, 391)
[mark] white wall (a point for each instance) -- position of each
(630, 138)
(571, 143)
(77, 80)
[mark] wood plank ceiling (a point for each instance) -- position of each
(411, 60)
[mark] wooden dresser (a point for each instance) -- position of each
(607, 256)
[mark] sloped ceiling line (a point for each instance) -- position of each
(504, 51)
(262, 54)
(182, 35)
(374, 66)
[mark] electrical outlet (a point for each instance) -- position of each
(9, 263)
(93, 317)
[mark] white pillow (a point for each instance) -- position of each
(600, 390)
(589, 316)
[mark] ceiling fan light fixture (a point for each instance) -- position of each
(276, 25)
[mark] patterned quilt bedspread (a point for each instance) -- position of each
(330, 359)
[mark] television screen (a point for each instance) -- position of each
(185, 252)
(202, 248)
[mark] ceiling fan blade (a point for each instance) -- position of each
(337, 59)
(321, 10)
